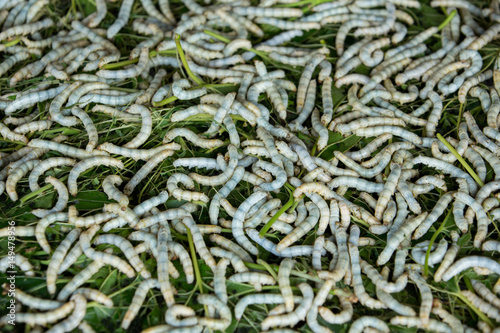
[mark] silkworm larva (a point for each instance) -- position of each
(359, 289)
(180, 194)
(301, 229)
(191, 136)
(245, 301)
(33, 126)
(380, 282)
(18, 231)
(146, 169)
(43, 318)
(268, 12)
(292, 318)
(75, 318)
(163, 262)
(89, 127)
(35, 302)
(419, 252)
(16, 175)
(447, 168)
(146, 127)
(26, 29)
(339, 318)
(224, 313)
(62, 200)
(406, 229)
(121, 19)
(57, 258)
(220, 280)
(106, 258)
(127, 249)
(482, 219)
(468, 262)
(360, 324)
(109, 187)
(138, 300)
(174, 314)
(136, 154)
(95, 295)
(239, 216)
(199, 242)
(289, 252)
(391, 302)
(487, 308)
(81, 277)
(87, 164)
(437, 211)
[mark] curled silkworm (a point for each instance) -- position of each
(87, 164)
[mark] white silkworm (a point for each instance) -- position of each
(433, 324)
(138, 300)
(468, 262)
(16, 175)
(127, 249)
(192, 137)
(292, 318)
(62, 200)
(482, 219)
(121, 19)
(43, 318)
(398, 236)
(163, 262)
(487, 308)
(109, 187)
(87, 164)
(359, 289)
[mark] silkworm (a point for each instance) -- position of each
(301, 229)
(62, 200)
(199, 242)
(447, 168)
(130, 72)
(136, 154)
(438, 209)
(19, 231)
(360, 324)
(80, 278)
(398, 237)
(127, 249)
(294, 317)
(20, 261)
(43, 318)
(87, 164)
(245, 301)
(15, 176)
(482, 219)
(106, 258)
(109, 187)
(138, 300)
(487, 308)
(121, 19)
(289, 252)
(268, 12)
(468, 262)
(35, 302)
(26, 29)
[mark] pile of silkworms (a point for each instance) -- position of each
(213, 158)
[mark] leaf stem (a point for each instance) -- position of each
(431, 242)
(460, 158)
(197, 273)
(447, 20)
(276, 216)
(184, 61)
